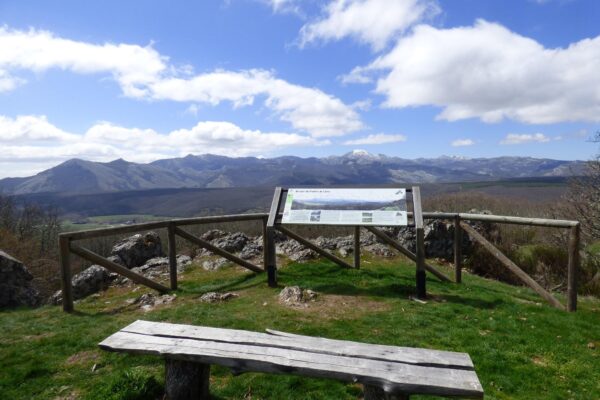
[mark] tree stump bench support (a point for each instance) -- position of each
(387, 372)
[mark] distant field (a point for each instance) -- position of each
(195, 202)
(106, 221)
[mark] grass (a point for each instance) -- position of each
(522, 349)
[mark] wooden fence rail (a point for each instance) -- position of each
(173, 227)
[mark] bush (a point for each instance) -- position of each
(132, 384)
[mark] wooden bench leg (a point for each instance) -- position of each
(377, 393)
(186, 380)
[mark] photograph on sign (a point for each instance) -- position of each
(377, 207)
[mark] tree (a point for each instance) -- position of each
(584, 196)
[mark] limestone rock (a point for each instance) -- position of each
(232, 242)
(295, 296)
(89, 281)
(16, 288)
(214, 265)
(215, 297)
(135, 250)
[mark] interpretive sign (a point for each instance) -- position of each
(377, 207)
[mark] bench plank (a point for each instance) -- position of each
(285, 340)
(392, 377)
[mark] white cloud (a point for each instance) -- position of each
(378, 138)
(143, 73)
(283, 6)
(486, 71)
(462, 142)
(32, 140)
(373, 22)
(515, 138)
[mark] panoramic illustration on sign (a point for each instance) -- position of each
(378, 207)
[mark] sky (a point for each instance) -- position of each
(146, 80)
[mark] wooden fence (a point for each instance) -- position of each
(68, 246)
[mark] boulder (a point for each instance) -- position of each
(295, 296)
(213, 234)
(16, 288)
(296, 251)
(135, 250)
(233, 242)
(89, 281)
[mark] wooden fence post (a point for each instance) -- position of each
(357, 247)
(457, 250)
(265, 244)
(573, 268)
(65, 267)
(421, 278)
(172, 256)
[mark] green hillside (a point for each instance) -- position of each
(521, 348)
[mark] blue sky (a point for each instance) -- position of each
(144, 80)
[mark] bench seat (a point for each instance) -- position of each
(393, 371)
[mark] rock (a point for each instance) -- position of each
(214, 297)
(89, 281)
(326, 243)
(345, 251)
(232, 242)
(183, 262)
(148, 301)
(213, 234)
(158, 266)
(296, 251)
(252, 249)
(295, 296)
(16, 288)
(216, 264)
(134, 251)
(380, 250)
(291, 295)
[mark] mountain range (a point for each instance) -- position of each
(212, 171)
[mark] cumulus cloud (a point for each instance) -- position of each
(34, 140)
(144, 73)
(372, 22)
(462, 142)
(378, 138)
(283, 6)
(486, 71)
(515, 138)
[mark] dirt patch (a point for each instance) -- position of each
(539, 360)
(83, 358)
(333, 306)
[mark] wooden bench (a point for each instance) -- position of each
(387, 372)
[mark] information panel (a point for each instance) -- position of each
(378, 207)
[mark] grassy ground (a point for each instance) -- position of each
(522, 349)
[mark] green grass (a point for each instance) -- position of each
(521, 349)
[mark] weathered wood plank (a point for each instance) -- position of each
(514, 268)
(573, 268)
(503, 219)
(65, 269)
(357, 247)
(457, 250)
(114, 267)
(172, 256)
(394, 377)
(412, 256)
(118, 230)
(203, 243)
(284, 340)
(313, 247)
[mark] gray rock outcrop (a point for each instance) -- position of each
(16, 288)
(89, 281)
(135, 250)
